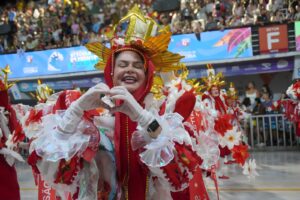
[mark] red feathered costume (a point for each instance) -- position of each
(9, 187)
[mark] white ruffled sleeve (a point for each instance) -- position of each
(53, 144)
(160, 151)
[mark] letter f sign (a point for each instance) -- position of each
(271, 39)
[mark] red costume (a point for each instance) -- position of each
(9, 187)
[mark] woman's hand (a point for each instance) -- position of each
(92, 98)
(130, 106)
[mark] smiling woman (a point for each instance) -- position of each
(151, 152)
(129, 70)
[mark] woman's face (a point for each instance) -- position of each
(215, 91)
(129, 71)
(250, 85)
(230, 102)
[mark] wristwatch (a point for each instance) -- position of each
(153, 126)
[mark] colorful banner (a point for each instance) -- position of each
(273, 39)
(247, 68)
(213, 45)
(297, 35)
(49, 62)
(60, 85)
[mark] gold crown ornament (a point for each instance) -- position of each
(4, 84)
(212, 78)
(42, 92)
(232, 92)
(141, 35)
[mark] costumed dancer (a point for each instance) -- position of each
(291, 106)
(148, 150)
(9, 187)
(235, 110)
(230, 140)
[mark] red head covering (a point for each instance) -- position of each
(141, 92)
(128, 164)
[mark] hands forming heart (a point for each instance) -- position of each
(100, 96)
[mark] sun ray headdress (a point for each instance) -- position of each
(142, 34)
(143, 37)
(43, 92)
(232, 92)
(4, 86)
(213, 79)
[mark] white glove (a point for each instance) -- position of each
(92, 98)
(130, 106)
(88, 101)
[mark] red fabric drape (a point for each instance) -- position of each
(136, 176)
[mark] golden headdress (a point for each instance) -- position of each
(232, 92)
(4, 85)
(142, 34)
(212, 78)
(42, 92)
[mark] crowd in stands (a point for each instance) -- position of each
(45, 24)
(260, 101)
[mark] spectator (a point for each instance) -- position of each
(267, 102)
(266, 89)
(271, 7)
(291, 16)
(252, 93)
(277, 17)
(297, 15)
(199, 12)
(31, 43)
(177, 28)
(164, 20)
(209, 7)
(56, 34)
(238, 9)
(197, 29)
(221, 23)
(247, 20)
(246, 105)
(186, 12)
(258, 109)
(211, 24)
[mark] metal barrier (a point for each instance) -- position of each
(272, 131)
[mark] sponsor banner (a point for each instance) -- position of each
(247, 68)
(297, 35)
(49, 62)
(213, 45)
(273, 39)
(60, 85)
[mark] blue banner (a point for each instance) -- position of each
(49, 62)
(213, 45)
(208, 46)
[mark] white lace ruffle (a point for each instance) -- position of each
(160, 151)
(53, 145)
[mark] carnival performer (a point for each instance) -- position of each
(291, 106)
(9, 187)
(147, 148)
(222, 124)
(233, 106)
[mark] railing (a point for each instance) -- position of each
(272, 131)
